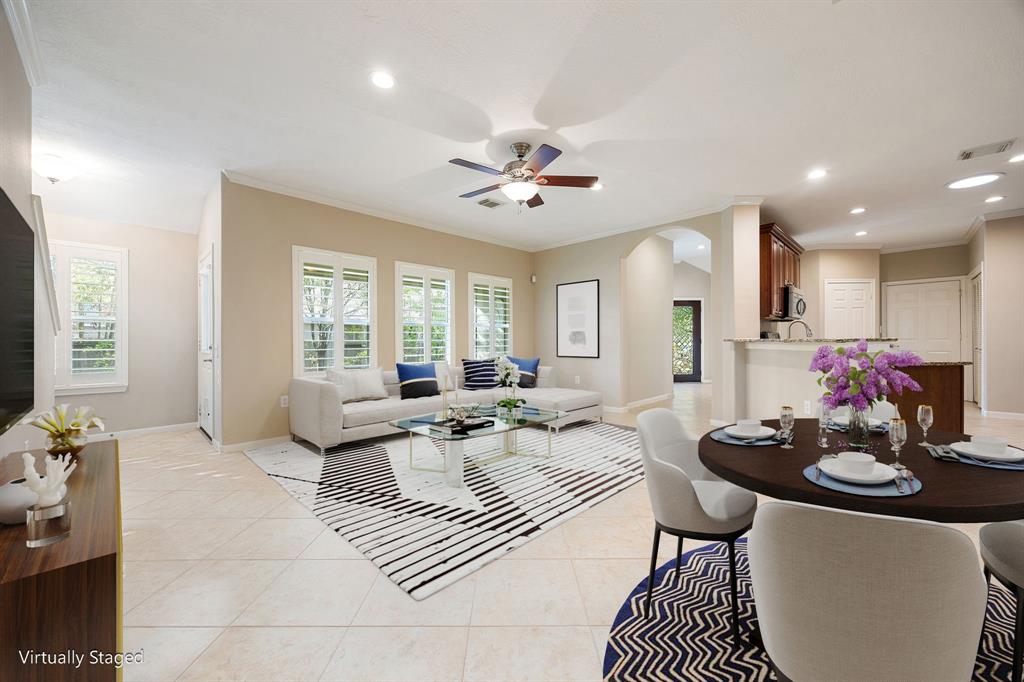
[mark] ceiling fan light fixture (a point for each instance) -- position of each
(519, 190)
(597, 186)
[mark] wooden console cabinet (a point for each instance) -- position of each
(780, 265)
(66, 596)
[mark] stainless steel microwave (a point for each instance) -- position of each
(794, 304)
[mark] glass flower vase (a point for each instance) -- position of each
(859, 429)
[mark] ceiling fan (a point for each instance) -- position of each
(522, 178)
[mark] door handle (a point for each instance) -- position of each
(207, 360)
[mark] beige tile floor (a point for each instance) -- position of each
(228, 578)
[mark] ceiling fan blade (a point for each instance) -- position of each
(475, 166)
(534, 201)
(485, 190)
(544, 155)
(567, 180)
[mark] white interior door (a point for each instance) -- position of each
(850, 309)
(977, 306)
(925, 317)
(205, 411)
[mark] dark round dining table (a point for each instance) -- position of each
(951, 492)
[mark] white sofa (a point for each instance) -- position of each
(316, 413)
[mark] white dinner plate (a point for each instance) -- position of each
(882, 473)
(844, 420)
(1012, 454)
(765, 432)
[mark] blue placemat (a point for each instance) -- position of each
(722, 437)
(877, 431)
(1005, 466)
(883, 490)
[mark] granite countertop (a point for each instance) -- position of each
(806, 340)
(946, 364)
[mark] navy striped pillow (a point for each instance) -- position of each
(480, 374)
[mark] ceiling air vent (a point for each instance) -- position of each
(985, 150)
(490, 203)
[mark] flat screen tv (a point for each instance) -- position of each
(17, 316)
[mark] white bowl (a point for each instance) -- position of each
(859, 463)
(748, 427)
(989, 445)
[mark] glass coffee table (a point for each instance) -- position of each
(504, 426)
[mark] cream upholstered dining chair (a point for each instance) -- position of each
(688, 500)
(882, 410)
(845, 596)
(1002, 550)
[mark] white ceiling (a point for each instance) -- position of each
(689, 246)
(677, 107)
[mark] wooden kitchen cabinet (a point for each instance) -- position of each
(780, 265)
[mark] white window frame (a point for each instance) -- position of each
(427, 272)
(338, 260)
(490, 281)
(66, 383)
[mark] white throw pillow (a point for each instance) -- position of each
(359, 384)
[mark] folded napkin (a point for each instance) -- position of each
(946, 454)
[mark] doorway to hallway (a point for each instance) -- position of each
(686, 340)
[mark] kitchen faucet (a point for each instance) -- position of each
(789, 330)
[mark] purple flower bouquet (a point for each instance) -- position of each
(854, 377)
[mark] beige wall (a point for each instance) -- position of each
(647, 321)
(946, 261)
(259, 229)
(820, 265)
(1004, 314)
(602, 259)
(162, 321)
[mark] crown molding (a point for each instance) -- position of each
(976, 224)
(25, 41)
(256, 183)
(866, 246)
(923, 247)
(750, 200)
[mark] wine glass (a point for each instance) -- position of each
(786, 420)
(824, 414)
(897, 438)
(925, 418)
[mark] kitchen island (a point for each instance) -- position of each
(770, 373)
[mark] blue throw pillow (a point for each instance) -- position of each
(527, 371)
(417, 381)
(480, 374)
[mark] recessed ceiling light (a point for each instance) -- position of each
(859, 234)
(992, 200)
(1017, 159)
(700, 246)
(858, 210)
(382, 79)
(817, 174)
(974, 181)
(597, 186)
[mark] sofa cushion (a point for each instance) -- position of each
(417, 381)
(565, 399)
(527, 371)
(381, 411)
(358, 384)
(480, 374)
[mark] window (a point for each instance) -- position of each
(490, 315)
(92, 293)
(334, 292)
(423, 303)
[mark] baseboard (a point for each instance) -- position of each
(1002, 415)
(649, 401)
(239, 447)
(122, 433)
(615, 410)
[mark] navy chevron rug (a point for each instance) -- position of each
(687, 636)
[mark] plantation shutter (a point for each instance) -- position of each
(490, 316)
(425, 314)
(335, 318)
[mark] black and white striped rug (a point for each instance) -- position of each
(425, 535)
(687, 636)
